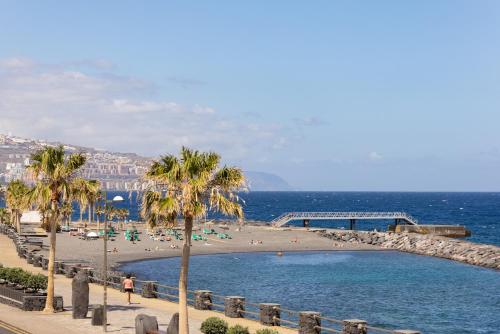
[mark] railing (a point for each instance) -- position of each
(250, 310)
(286, 217)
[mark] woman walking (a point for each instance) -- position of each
(128, 286)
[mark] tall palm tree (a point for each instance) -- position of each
(188, 186)
(4, 215)
(17, 199)
(66, 211)
(85, 192)
(55, 172)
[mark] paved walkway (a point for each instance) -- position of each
(121, 317)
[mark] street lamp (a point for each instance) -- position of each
(105, 259)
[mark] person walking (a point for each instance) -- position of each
(128, 286)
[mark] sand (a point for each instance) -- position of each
(265, 239)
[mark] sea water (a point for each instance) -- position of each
(386, 288)
(479, 212)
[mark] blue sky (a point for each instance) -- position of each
(331, 95)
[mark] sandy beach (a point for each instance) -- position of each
(251, 238)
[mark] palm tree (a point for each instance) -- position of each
(189, 186)
(55, 174)
(17, 200)
(4, 215)
(66, 211)
(85, 192)
(99, 210)
(93, 193)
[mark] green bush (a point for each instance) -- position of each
(238, 329)
(266, 331)
(14, 275)
(37, 282)
(214, 325)
(24, 278)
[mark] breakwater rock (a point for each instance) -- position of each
(453, 249)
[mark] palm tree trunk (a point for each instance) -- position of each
(183, 277)
(98, 222)
(49, 304)
(90, 214)
(81, 213)
(18, 222)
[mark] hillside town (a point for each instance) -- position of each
(115, 171)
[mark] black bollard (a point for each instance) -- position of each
(80, 295)
(234, 306)
(354, 326)
(173, 325)
(309, 322)
(203, 300)
(145, 324)
(270, 314)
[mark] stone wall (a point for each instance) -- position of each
(448, 248)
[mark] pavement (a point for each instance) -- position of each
(121, 316)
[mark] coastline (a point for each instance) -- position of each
(265, 238)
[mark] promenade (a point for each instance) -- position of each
(121, 316)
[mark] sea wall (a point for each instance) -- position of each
(448, 248)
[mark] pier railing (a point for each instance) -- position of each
(341, 215)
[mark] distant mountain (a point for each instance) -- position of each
(260, 181)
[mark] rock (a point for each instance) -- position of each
(145, 324)
(173, 325)
(80, 295)
(97, 315)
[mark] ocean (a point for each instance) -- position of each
(479, 212)
(386, 288)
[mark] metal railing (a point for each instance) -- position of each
(286, 217)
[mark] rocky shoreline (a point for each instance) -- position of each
(454, 249)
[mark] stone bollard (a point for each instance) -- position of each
(29, 257)
(173, 325)
(37, 261)
(58, 267)
(203, 300)
(69, 271)
(149, 289)
(354, 326)
(309, 322)
(145, 324)
(80, 295)
(45, 263)
(270, 314)
(97, 315)
(234, 306)
(405, 331)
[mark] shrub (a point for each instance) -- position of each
(37, 282)
(214, 325)
(266, 331)
(238, 329)
(14, 275)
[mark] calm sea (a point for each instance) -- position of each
(387, 289)
(479, 212)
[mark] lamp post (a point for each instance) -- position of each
(105, 259)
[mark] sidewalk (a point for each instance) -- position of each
(121, 317)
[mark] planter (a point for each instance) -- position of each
(27, 301)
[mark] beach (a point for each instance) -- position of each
(248, 238)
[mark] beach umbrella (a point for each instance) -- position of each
(92, 235)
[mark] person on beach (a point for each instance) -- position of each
(128, 286)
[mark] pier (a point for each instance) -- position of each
(352, 217)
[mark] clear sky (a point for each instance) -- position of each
(330, 95)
